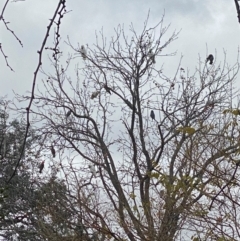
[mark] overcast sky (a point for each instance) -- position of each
(203, 24)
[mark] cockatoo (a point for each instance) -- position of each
(53, 151)
(210, 58)
(92, 169)
(152, 115)
(68, 113)
(83, 52)
(41, 166)
(151, 56)
(95, 94)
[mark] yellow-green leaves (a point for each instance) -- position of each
(154, 175)
(232, 111)
(132, 195)
(189, 130)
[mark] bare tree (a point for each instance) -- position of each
(144, 156)
(6, 24)
(55, 20)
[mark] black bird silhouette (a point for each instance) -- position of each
(41, 166)
(107, 89)
(210, 58)
(53, 151)
(152, 56)
(68, 113)
(152, 115)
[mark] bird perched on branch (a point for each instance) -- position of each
(53, 151)
(68, 113)
(83, 52)
(152, 115)
(95, 94)
(41, 166)
(108, 90)
(151, 56)
(210, 58)
(92, 169)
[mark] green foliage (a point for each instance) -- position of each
(16, 197)
(232, 111)
(154, 175)
(132, 195)
(187, 129)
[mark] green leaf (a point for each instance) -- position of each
(189, 130)
(154, 175)
(226, 111)
(234, 111)
(132, 195)
(135, 208)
